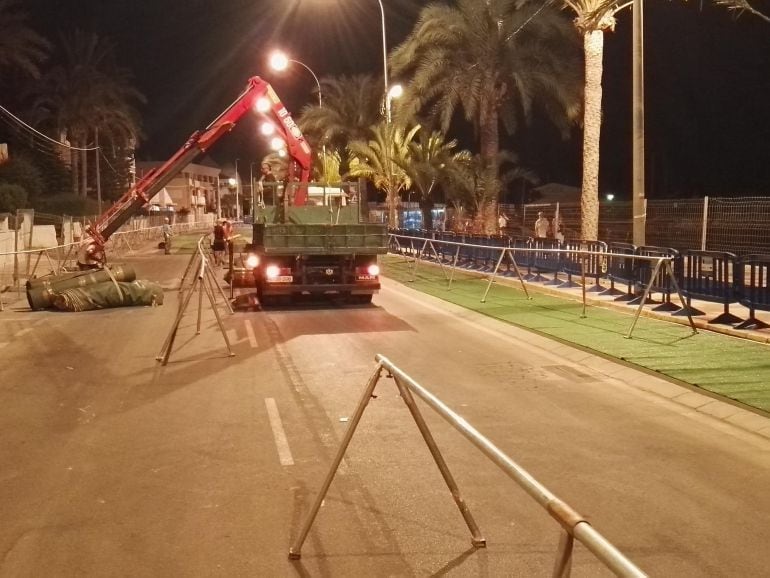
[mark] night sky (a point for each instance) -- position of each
(707, 81)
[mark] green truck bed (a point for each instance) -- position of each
(320, 239)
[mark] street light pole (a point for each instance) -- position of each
(251, 186)
(385, 63)
(237, 193)
(638, 185)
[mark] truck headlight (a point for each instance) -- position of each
(373, 269)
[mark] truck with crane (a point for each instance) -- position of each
(297, 248)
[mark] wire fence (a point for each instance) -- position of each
(736, 225)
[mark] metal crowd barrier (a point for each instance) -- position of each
(60, 258)
(574, 263)
(709, 276)
(574, 526)
(754, 288)
(200, 277)
(662, 272)
(662, 283)
(620, 267)
(714, 276)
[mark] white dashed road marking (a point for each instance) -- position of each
(22, 332)
(284, 453)
(250, 334)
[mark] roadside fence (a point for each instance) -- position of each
(735, 224)
(712, 276)
(573, 525)
(29, 251)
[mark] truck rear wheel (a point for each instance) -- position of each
(361, 299)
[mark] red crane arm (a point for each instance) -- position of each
(259, 97)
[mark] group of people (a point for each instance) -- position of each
(543, 227)
(223, 231)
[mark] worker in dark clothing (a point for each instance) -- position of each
(218, 244)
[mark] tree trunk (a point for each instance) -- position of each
(593, 45)
(393, 201)
(490, 148)
(426, 206)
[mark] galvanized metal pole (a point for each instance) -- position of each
(640, 216)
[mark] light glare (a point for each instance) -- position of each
(252, 261)
(276, 143)
(396, 91)
(279, 61)
(262, 104)
(272, 271)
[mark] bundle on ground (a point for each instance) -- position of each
(108, 294)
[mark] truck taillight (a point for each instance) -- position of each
(367, 272)
(276, 274)
(252, 261)
(272, 271)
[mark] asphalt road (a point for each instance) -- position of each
(112, 465)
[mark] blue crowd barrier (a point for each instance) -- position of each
(753, 279)
(620, 268)
(576, 264)
(545, 261)
(713, 276)
(662, 282)
(709, 276)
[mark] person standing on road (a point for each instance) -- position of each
(227, 229)
(218, 245)
(541, 226)
(168, 232)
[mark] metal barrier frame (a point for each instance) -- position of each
(663, 263)
(574, 526)
(204, 281)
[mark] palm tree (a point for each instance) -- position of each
(476, 180)
(86, 92)
(429, 159)
(21, 48)
(740, 6)
(351, 105)
(593, 17)
(496, 60)
(381, 160)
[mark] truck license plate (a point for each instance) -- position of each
(284, 279)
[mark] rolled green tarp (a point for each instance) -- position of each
(46, 280)
(108, 294)
(40, 296)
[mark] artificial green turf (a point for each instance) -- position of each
(735, 368)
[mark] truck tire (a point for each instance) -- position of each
(361, 299)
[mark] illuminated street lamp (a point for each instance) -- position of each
(395, 91)
(280, 62)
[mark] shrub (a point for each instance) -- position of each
(12, 197)
(22, 172)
